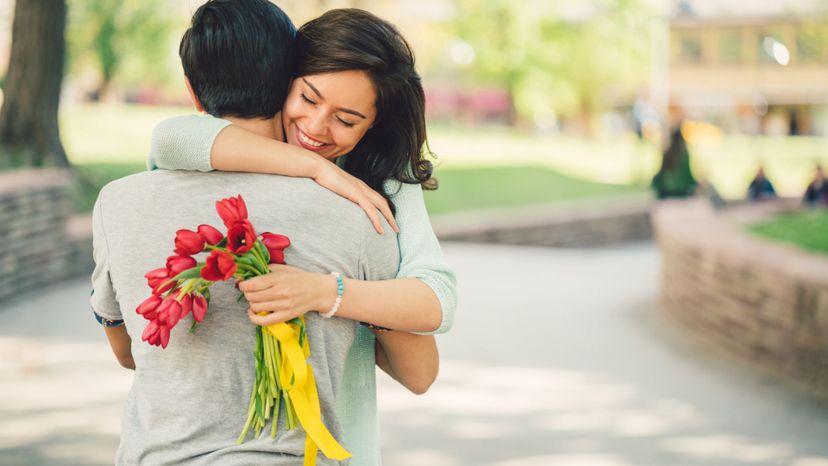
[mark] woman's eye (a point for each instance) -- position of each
(346, 123)
(306, 99)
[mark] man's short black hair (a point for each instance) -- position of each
(238, 56)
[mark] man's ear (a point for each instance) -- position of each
(193, 97)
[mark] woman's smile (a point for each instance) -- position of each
(308, 142)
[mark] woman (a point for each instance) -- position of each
(356, 99)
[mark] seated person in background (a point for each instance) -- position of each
(817, 192)
(760, 188)
(675, 178)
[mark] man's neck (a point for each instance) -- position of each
(270, 128)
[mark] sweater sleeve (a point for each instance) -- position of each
(184, 142)
(420, 253)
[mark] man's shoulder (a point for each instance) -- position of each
(265, 190)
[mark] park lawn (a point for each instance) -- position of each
(549, 167)
(808, 230)
(474, 188)
(91, 177)
(460, 188)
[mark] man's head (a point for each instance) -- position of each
(238, 57)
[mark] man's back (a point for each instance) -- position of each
(189, 401)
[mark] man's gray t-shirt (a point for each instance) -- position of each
(188, 402)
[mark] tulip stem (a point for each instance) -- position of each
(262, 263)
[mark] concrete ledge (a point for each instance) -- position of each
(79, 234)
(763, 301)
(33, 179)
(575, 224)
(41, 243)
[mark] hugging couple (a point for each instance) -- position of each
(322, 131)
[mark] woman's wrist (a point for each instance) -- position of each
(326, 284)
(316, 165)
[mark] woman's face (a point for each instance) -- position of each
(329, 113)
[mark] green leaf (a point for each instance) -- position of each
(194, 272)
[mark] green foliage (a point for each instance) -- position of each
(808, 230)
(555, 61)
(118, 36)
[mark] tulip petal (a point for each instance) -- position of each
(164, 335)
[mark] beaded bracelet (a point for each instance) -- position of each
(340, 290)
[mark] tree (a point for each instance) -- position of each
(555, 58)
(28, 119)
(113, 33)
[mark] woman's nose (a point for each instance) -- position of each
(317, 124)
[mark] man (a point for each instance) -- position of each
(189, 401)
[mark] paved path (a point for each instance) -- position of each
(558, 357)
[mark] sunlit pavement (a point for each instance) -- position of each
(558, 357)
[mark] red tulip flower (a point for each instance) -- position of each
(199, 308)
(164, 336)
(241, 237)
(232, 210)
(169, 311)
(177, 264)
(276, 245)
(156, 277)
(148, 307)
(186, 306)
(211, 235)
(188, 242)
(219, 267)
(150, 331)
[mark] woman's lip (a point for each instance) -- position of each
(305, 145)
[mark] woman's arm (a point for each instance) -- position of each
(421, 299)
(411, 360)
(205, 143)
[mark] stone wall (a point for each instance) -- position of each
(36, 248)
(763, 301)
(578, 224)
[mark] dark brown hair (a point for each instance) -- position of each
(395, 146)
(237, 55)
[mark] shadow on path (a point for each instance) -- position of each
(558, 357)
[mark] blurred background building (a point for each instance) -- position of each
(752, 68)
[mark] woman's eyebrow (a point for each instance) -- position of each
(346, 110)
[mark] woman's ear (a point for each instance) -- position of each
(193, 96)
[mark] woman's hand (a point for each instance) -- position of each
(335, 179)
(286, 293)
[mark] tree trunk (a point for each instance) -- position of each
(28, 119)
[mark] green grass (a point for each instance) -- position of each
(491, 187)
(490, 167)
(808, 230)
(109, 133)
(729, 162)
(93, 176)
(106, 142)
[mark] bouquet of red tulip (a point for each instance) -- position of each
(282, 371)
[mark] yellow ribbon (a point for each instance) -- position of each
(296, 376)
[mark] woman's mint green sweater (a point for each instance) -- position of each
(185, 142)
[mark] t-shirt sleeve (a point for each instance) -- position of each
(379, 258)
(420, 253)
(103, 300)
(184, 142)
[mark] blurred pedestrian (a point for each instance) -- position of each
(675, 178)
(761, 188)
(817, 192)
